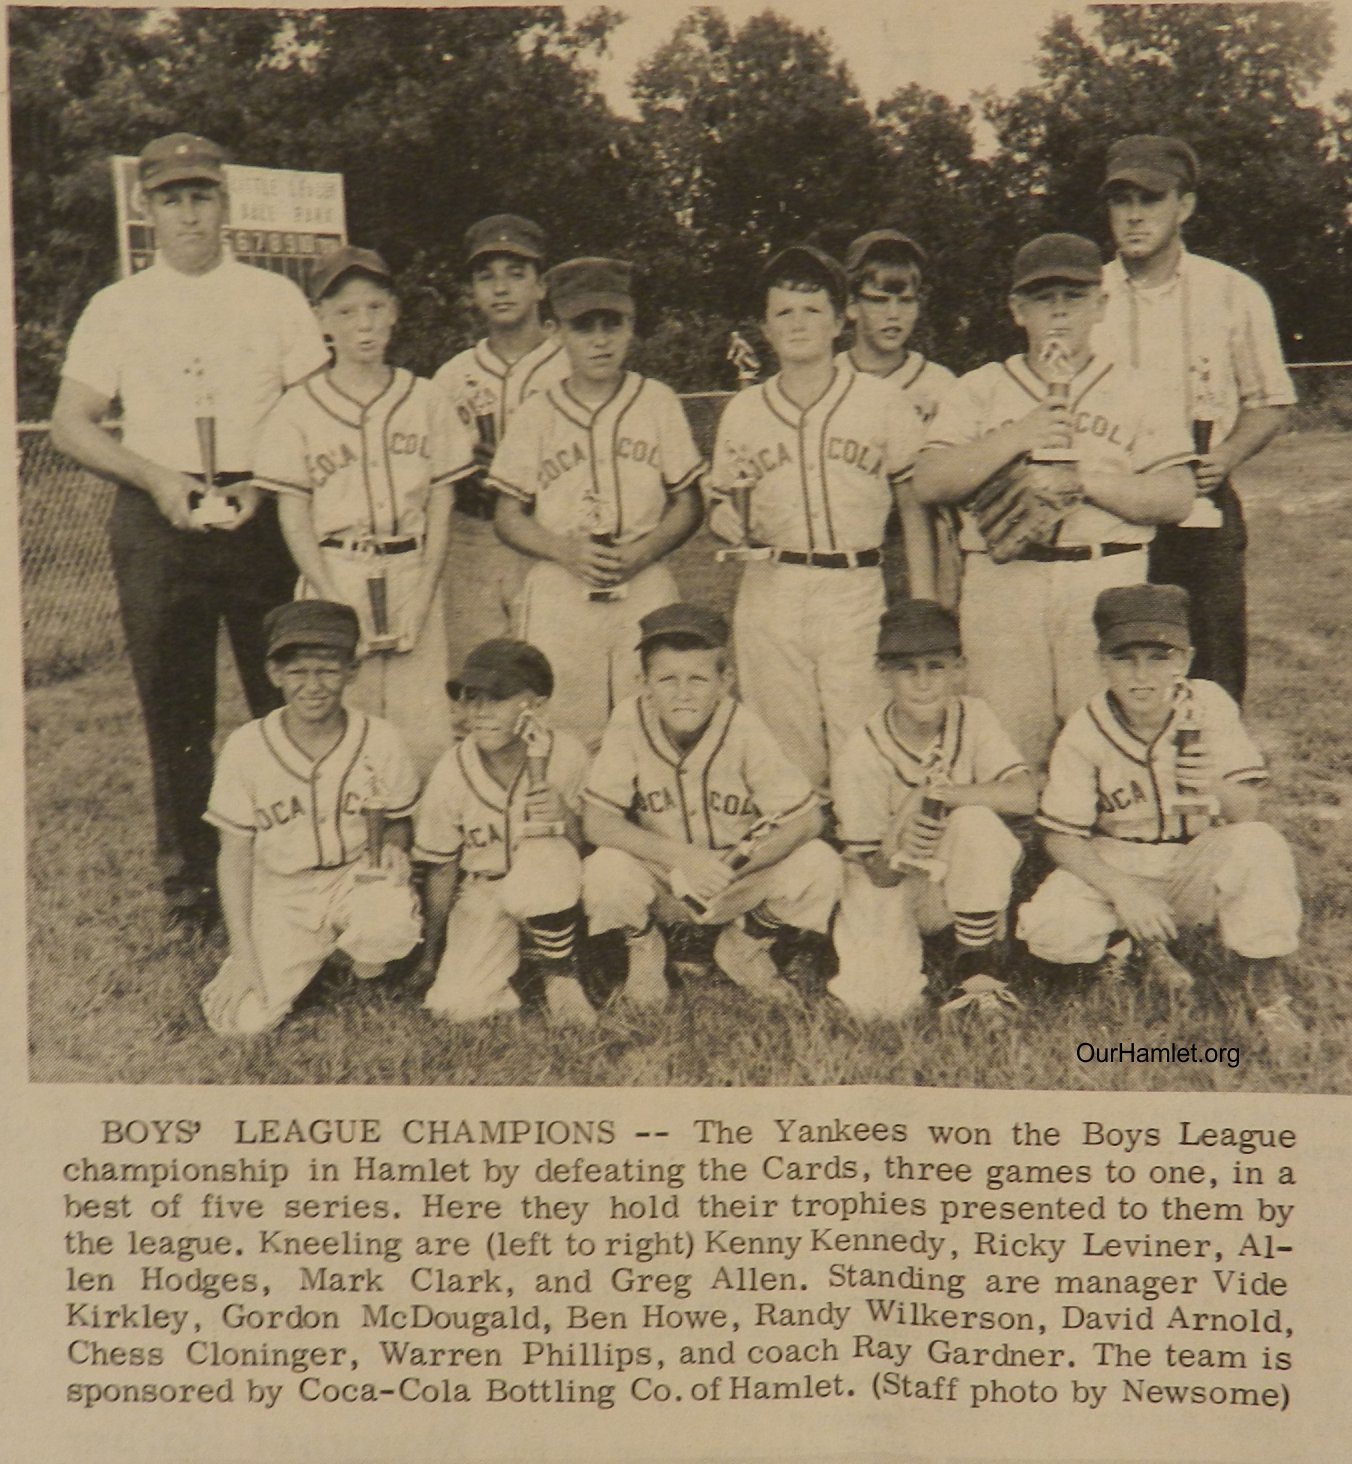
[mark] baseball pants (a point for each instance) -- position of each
(1237, 877)
(592, 646)
(1028, 636)
(877, 932)
(1209, 564)
(483, 931)
(480, 586)
(300, 920)
(407, 688)
(805, 641)
(174, 590)
(624, 893)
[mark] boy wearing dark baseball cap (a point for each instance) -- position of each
(699, 818)
(921, 793)
(499, 824)
(1151, 816)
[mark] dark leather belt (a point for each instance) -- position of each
(1068, 553)
(221, 480)
(475, 499)
(373, 546)
(859, 559)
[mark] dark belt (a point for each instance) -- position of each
(475, 499)
(858, 559)
(1070, 553)
(222, 480)
(373, 546)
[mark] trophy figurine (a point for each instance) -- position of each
(931, 808)
(1057, 373)
(1205, 514)
(539, 741)
(737, 495)
(375, 813)
(382, 637)
(1188, 803)
(608, 594)
(485, 420)
(211, 505)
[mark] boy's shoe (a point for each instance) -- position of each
(1164, 970)
(985, 997)
(565, 1001)
(1115, 966)
(646, 983)
(1282, 1032)
(748, 963)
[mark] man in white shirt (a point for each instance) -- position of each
(197, 348)
(1204, 336)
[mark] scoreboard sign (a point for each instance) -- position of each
(279, 219)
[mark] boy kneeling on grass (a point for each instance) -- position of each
(1151, 813)
(499, 823)
(698, 817)
(912, 869)
(292, 798)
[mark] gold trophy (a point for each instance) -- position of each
(610, 593)
(1057, 372)
(1205, 514)
(736, 858)
(375, 810)
(1188, 803)
(211, 506)
(738, 496)
(382, 638)
(481, 405)
(936, 776)
(539, 742)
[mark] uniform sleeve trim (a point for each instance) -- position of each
(590, 795)
(1061, 826)
(404, 810)
(690, 478)
(1174, 460)
(435, 856)
(802, 806)
(453, 475)
(280, 485)
(1010, 771)
(222, 822)
(522, 495)
(1246, 775)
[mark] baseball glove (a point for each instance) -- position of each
(1023, 505)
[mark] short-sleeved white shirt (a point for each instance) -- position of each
(467, 814)
(877, 771)
(305, 814)
(1117, 425)
(366, 468)
(1105, 780)
(174, 347)
(709, 795)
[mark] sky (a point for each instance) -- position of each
(954, 47)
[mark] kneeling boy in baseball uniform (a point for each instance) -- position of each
(312, 803)
(362, 458)
(909, 869)
(1026, 622)
(698, 817)
(599, 481)
(1151, 813)
(499, 824)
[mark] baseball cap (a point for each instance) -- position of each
(1142, 615)
(312, 623)
(885, 242)
(590, 283)
(809, 263)
(330, 268)
(179, 158)
(502, 668)
(505, 234)
(696, 621)
(1156, 164)
(1057, 257)
(915, 628)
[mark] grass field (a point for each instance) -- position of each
(113, 997)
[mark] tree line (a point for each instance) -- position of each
(746, 139)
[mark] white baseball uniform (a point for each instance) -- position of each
(877, 932)
(710, 795)
(1107, 785)
(608, 470)
(1027, 628)
(925, 383)
(823, 486)
(485, 575)
(505, 877)
(308, 829)
(368, 471)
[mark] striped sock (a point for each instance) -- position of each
(976, 930)
(759, 924)
(552, 936)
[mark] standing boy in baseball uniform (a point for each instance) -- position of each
(599, 482)
(1126, 859)
(198, 335)
(1026, 625)
(929, 742)
(824, 452)
(297, 875)
(499, 824)
(517, 357)
(1204, 336)
(885, 271)
(362, 458)
(685, 774)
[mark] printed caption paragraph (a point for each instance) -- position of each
(582, 1263)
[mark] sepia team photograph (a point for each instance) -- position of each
(718, 547)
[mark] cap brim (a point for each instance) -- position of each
(1153, 180)
(517, 251)
(493, 684)
(201, 173)
(1060, 276)
(319, 639)
(599, 300)
(924, 648)
(322, 286)
(1146, 633)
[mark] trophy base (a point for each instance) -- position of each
(744, 554)
(369, 874)
(1055, 455)
(610, 596)
(904, 864)
(212, 508)
(1194, 805)
(543, 831)
(381, 643)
